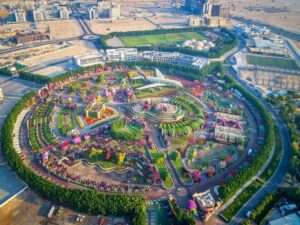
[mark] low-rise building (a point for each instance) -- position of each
(291, 219)
(206, 203)
(251, 30)
(176, 58)
(196, 22)
(267, 46)
(89, 60)
(122, 54)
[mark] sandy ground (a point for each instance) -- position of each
(101, 27)
(52, 71)
(59, 29)
(62, 29)
(28, 208)
(76, 48)
(150, 17)
(289, 20)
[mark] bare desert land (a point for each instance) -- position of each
(59, 29)
(142, 15)
(280, 13)
(76, 48)
(29, 208)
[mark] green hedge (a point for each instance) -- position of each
(34, 77)
(227, 190)
(4, 71)
(228, 43)
(88, 201)
(264, 207)
(238, 203)
(269, 171)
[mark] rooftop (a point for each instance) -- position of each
(292, 219)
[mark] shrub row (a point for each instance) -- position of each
(245, 195)
(88, 201)
(269, 171)
(264, 207)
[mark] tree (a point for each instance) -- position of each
(192, 140)
(196, 175)
(295, 147)
(160, 159)
(142, 142)
(101, 79)
(210, 171)
(175, 155)
(164, 174)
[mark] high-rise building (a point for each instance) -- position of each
(215, 10)
(114, 11)
(20, 16)
(195, 6)
(63, 13)
(39, 15)
(93, 13)
(104, 10)
(224, 11)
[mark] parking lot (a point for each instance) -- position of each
(13, 89)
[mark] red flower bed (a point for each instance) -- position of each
(90, 120)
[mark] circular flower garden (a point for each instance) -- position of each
(115, 130)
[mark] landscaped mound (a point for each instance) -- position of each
(132, 130)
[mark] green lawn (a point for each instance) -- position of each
(273, 62)
(65, 121)
(160, 38)
(161, 166)
(246, 194)
(179, 167)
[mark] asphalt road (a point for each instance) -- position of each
(283, 166)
